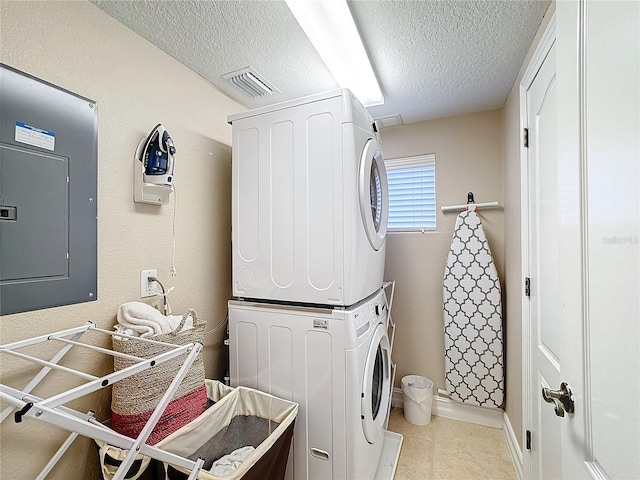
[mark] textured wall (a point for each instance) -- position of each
(80, 48)
(468, 153)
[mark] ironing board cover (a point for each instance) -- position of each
(472, 318)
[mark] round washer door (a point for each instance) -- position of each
(373, 192)
(376, 386)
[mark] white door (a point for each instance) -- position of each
(544, 276)
(605, 437)
(583, 247)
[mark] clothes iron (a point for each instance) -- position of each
(157, 154)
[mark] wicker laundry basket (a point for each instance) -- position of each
(135, 398)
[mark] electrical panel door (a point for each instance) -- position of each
(48, 188)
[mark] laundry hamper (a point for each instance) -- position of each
(244, 417)
(134, 399)
(144, 468)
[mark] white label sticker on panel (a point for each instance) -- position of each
(35, 136)
(323, 324)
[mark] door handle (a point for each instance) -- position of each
(562, 399)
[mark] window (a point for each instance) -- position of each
(412, 193)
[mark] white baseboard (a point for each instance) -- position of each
(491, 417)
(445, 407)
(514, 447)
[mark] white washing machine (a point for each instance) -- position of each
(335, 363)
(309, 202)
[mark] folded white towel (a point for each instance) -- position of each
(142, 320)
(227, 465)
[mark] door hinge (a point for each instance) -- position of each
(528, 440)
(527, 286)
(525, 137)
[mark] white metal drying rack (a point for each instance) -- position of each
(390, 325)
(52, 410)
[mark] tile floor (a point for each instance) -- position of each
(448, 449)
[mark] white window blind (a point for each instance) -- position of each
(412, 193)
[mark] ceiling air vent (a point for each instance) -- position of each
(251, 82)
(390, 121)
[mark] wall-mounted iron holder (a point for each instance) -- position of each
(148, 192)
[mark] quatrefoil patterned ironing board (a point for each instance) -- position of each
(474, 371)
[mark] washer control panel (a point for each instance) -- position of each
(362, 321)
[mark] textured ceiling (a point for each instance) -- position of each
(432, 58)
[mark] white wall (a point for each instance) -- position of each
(479, 153)
(468, 151)
(78, 47)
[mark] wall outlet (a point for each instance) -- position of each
(147, 288)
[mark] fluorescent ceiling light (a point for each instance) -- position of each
(330, 28)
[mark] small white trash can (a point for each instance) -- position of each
(417, 397)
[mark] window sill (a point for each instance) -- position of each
(418, 231)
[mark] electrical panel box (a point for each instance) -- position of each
(48, 195)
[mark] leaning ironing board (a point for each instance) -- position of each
(52, 410)
(472, 303)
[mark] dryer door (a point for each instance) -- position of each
(376, 387)
(373, 192)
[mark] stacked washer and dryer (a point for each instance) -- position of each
(310, 319)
